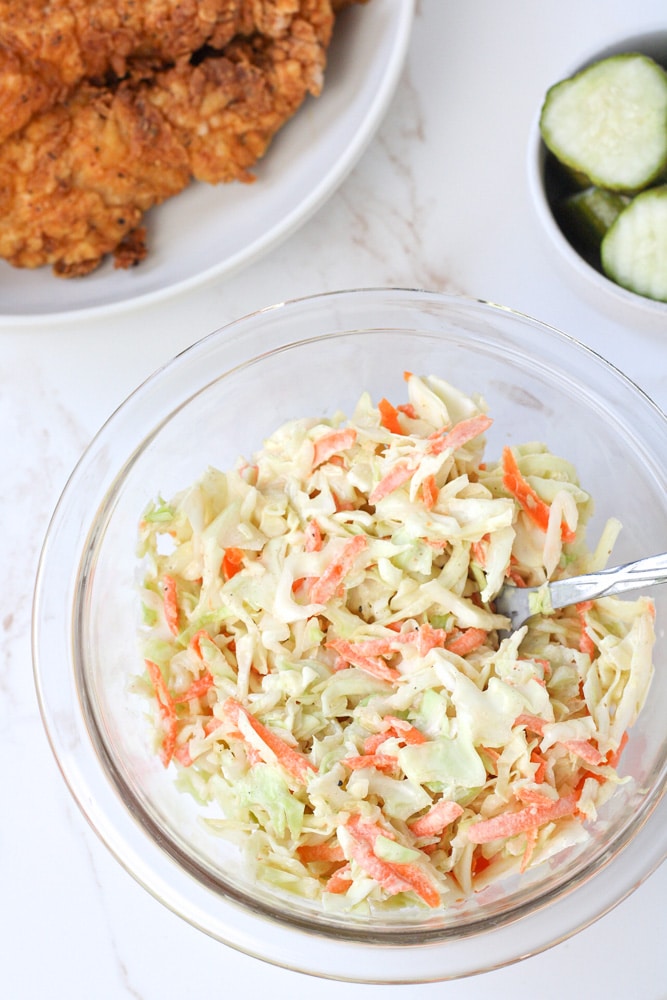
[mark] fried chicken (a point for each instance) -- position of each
(226, 110)
(48, 47)
(77, 179)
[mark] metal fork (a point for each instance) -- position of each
(515, 602)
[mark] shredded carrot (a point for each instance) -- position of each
(293, 761)
(536, 508)
(478, 550)
(364, 647)
(459, 435)
(522, 491)
(586, 644)
(532, 796)
(342, 504)
(212, 724)
(393, 877)
(438, 442)
(380, 761)
(405, 730)
(164, 698)
(479, 863)
(371, 743)
(467, 641)
(182, 755)
(428, 638)
(439, 816)
(532, 722)
(595, 775)
(167, 711)
(340, 881)
(232, 562)
(409, 410)
(373, 665)
(584, 749)
(170, 603)
(326, 586)
(400, 474)
(402, 730)
(195, 641)
(510, 824)
(389, 417)
(197, 689)
(331, 444)
(301, 587)
(614, 756)
(429, 492)
(541, 768)
(313, 542)
(425, 637)
(566, 533)
(517, 580)
(320, 852)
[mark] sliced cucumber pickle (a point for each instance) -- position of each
(634, 250)
(587, 215)
(609, 122)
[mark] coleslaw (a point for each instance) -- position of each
(325, 666)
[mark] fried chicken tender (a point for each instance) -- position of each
(226, 110)
(48, 47)
(77, 180)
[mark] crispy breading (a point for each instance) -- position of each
(79, 178)
(226, 110)
(48, 47)
(76, 181)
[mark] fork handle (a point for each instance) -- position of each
(616, 580)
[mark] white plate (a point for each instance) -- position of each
(207, 232)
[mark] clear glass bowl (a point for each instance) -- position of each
(218, 400)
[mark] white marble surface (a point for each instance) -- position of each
(439, 200)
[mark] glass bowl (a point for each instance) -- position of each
(545, 186)
(218, 400)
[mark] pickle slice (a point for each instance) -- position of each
(634, 250)
(586, 216)
(609, 122)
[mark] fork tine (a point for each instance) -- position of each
(514, 603)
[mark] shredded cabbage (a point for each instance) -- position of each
(326, 667)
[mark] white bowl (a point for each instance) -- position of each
(209, 232)
(591, 284)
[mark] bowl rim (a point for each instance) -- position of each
(158, 877)
(588, 276)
